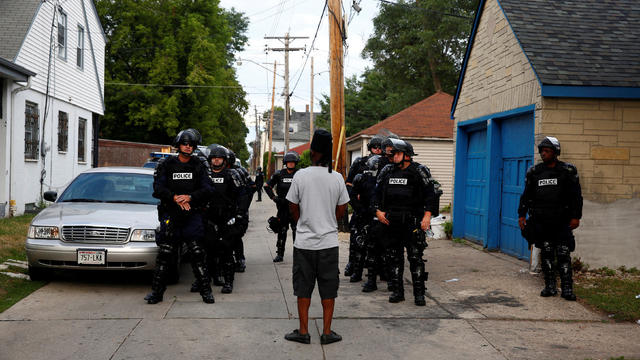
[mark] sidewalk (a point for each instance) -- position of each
(493, 311)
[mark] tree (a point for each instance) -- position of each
(416, 49)
(164, 43)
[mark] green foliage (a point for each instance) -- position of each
(265, 160)
(416, 50)
(446, 209)
(459, 241)
(448, 229)
(305, 159)
(605, 271)
(578, 265)
(185, 42)
(13, 290)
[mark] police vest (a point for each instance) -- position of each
(551, 191)
(225, 189)
(183, 178)
(402, 191)
(283, 183)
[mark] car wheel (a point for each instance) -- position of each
(38, 274)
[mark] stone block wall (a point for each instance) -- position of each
(602, 138)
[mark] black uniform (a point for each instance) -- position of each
(259, 181)
(247, 190)
(225, 222)
(552, 197)
(371, 255)
(405, 195)
(179, 227)
(282, 180)
(356, 252)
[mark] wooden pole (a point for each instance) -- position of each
(339, 149)
(273, 99)
(311, 105)
(337, 83)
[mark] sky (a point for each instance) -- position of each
(298, 18)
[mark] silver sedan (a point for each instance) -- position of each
(104, 219)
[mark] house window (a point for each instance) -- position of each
(62, 36)
(82, 136)
(31, 131)
(63, 131)
(80, 49)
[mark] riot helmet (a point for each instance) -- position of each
(187, 137)
(375, 142)
(372, 164)
(551, 143)
(231, 157)
(291, 156)
(409, 149)
(217, 151)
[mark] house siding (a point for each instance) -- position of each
(437, 155)
(67, 82)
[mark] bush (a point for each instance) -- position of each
(305, 159)
(448, 229)
(446, 209)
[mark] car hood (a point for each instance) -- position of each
(135, 216)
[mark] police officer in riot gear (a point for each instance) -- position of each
(281, 180)
(358, 166)
(259, 181)
(363, 190)
(553, 199)
(404, 199)
(248, 189)
(183, 187)
(224, 215)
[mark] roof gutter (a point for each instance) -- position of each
(10, 133)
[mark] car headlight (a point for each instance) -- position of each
(143, 235)
(44, 232)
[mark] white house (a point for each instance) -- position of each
(51, 91)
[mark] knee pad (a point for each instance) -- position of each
(165, 254)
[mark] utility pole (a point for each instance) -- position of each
(336, 38)
(311, 105)
(273, 99)
(256, 146)
(287, 95)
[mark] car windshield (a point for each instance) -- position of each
(110, 188)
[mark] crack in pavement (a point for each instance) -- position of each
(125, 339)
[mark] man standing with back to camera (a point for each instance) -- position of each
(317, 198)
(553, 199)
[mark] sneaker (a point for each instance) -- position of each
(297, 337)
(330, 338)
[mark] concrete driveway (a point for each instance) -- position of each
(493, 311)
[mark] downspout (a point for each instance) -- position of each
(12, 203)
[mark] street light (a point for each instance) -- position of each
(240, 60)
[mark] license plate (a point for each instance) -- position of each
(92, 257)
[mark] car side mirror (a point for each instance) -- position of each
(50, 195)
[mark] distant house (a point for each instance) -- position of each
(298, 149)
(298, 132)
(51, 94)
(569, 69)
(428, 127)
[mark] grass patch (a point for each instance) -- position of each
(459, 241)
(13, 232)
(611, 292)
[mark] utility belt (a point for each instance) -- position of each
(402, 217)
(550, 214)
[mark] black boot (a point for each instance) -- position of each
(370, 284)
(280, 244)
(356, 276)
(227, 288)
(549, 286)
(348, 270)
(418, 286)
(241, 266)
(158, 283)
(195, 286)
(153, 297)
(397, 288)
(207, 295)
(566, 282)
(397, 294)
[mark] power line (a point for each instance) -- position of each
(312, 43)
(177, 85)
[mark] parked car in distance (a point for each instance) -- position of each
(104, 219)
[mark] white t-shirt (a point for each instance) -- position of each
(317, 192)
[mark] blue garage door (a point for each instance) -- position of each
(517, 144)
(475, 212)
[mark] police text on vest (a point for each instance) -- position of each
(397, 181)
(182, 176)
(544, 182)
